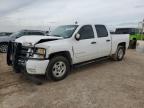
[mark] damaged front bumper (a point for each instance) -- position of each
(20, 58)
(36, 66)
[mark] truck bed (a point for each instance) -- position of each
(117, 38)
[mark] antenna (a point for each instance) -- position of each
(76, 22)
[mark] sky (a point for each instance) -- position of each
(17, 14)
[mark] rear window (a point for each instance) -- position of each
(101, 31)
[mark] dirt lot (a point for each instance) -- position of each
(105, 84)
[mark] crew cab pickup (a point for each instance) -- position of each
(67, 45)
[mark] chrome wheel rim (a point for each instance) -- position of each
(59, 69)
(3, 48)
(120, 54)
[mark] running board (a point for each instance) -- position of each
(91, 61)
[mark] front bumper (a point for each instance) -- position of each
(36, 67)
(19, 58)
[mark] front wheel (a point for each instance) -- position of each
(3, 47)
(119, 55)
(58, 68)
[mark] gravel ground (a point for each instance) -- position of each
(106, 84)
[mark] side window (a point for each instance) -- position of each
(101, 31)
(86, 32)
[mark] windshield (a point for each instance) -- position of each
(65, 31)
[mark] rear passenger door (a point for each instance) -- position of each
(103, 41)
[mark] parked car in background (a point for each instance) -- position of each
(126, 31)
(134, 35)
(5, 33)
(65, 46)
(5, 39)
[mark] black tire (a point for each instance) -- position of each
(9, 54)
(119, 55)
(50, 74)
(3, 47)
(132, 44)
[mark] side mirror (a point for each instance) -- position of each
(77, 36)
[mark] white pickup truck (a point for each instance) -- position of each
(54, 55)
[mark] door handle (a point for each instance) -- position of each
(108, 40)
(93, 42)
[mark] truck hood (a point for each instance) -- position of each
(32, 40)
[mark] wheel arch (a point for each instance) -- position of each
(62, 53)
(123, 44)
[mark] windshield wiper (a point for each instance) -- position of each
(56, 35)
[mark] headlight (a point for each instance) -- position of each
(39, 53)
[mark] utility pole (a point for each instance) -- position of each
(142, 31)
(141, 28)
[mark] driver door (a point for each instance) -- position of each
(84, 48)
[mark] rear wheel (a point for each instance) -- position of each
(3, 47)
(58, 68)
(119, 55)
(132, 44)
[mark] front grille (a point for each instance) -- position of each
(20, 53)
(17, 55)
(24, 51)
